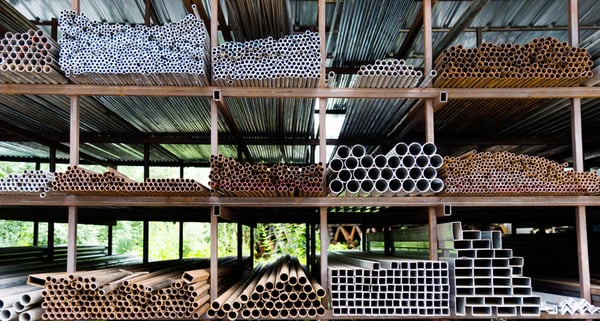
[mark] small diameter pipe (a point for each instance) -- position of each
(336, 165)
(359, 173)
(422, 186)
(394, 161)
(381, 186)
(366, 161)
(436, 185)
(400, 149)
(352, 187)
(394, 187)
(342, 152)
(429, 149)
(351, 162)
(387, 173)
(408, 161)
(366, 187)
(436, 161)
(408, 186)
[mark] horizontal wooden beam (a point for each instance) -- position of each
(8, 199)
(250, 92)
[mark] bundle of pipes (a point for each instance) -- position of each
(543, 62)
(487, 279)
(79, 180)
(363, 284)
(12, 20)
(29, 57)
(231, 178)
(509, 173)
(34, 181)
(258, 19)
(385, 73)
(292, 61)
(408, 169)
(174, 54)
(21, 303)
(282, 290)
(117, 294)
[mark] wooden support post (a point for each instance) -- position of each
(73, 160)
(251, 245)
(72, 240)
(50, 241)
(313, 245)
(577, 143)
(324, 245)
(110, 240)
(75, 6)
(146, 241)
(433, 239)
(240, 241)
(307, 245)
(388, 243)
(214, 253)
(181, 239)
(146, 161)
(52, 159)
(36, 233)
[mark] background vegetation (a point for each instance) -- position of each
(271, 239)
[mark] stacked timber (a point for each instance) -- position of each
(118, 294)
(280, 290)
(509, 173)
(231, 178)
(543, 62)
(78, 180)
(29, 57)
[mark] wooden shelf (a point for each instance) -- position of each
(300, 202)
(174, 91)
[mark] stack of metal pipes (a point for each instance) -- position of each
(386, 73)
(29, 57)
(21, 303)
(231, 178)
(487, 279)
(363, 284)
(117, 294)
(509, 173)
(174, 54)
(543, 62)
(281, 290)
(292, 61)
(79, 180)
(407, 169)
(34, 181)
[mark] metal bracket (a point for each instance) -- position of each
(443, 96)
(217, 95)
(447, 209)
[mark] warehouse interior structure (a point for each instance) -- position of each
(163, 121)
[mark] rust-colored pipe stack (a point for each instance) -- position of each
(231, 178)
(78, 180)
(543, 62)
(282, 290)
(29, 57)
(509, 173)
(119, 295)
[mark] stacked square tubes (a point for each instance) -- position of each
(408, 169)
(488, 280)
(389, 288)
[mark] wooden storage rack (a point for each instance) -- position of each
(435, 204)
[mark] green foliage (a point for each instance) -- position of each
(274, 240)
(16, 233)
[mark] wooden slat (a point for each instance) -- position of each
(180, 91)
(301, 202)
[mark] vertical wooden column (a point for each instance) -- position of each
(214, 254)
(36, 233)
(429, 120)
(240, 240)
(181, 239)
(73, 160)
(251, 245)
(146, 161)
(214, 150)
(308, 240)
(50, 240)
(577, 145)
(110, 240)
(323, 229)
(146, 242)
